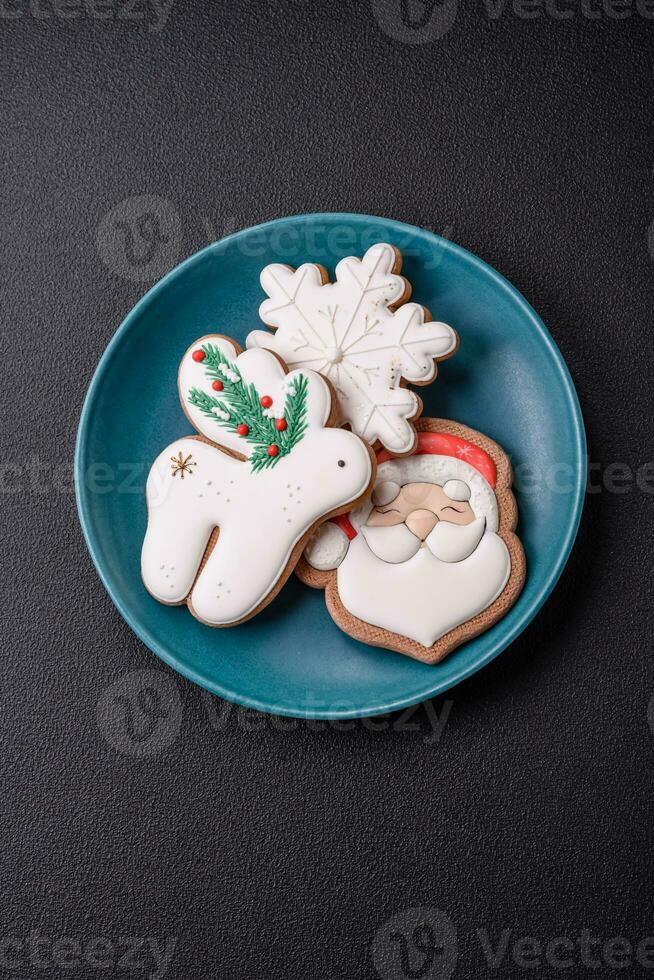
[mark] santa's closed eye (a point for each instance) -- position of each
(450, 507)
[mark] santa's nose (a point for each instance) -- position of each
(421, 523)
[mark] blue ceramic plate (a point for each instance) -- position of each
(508, 380)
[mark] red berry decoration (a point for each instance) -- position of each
(280, 424)
(198, 355)
(217, 385)
(273, 450)
(266, 401)
(242, 429)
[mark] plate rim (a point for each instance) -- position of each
(430, 690)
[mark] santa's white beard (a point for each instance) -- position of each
(422, 598)
(449, 542)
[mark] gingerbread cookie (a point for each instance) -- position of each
(361, 334)
(230, 510)
(431, 560)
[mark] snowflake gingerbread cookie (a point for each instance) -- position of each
(361, 334)
(432, 559)
(230, 510)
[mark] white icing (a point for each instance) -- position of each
(422, 598)
(261, 515)
(457, 490)
(455, 542)
(226, 373)
(346, 331)
(384, 492)
(432, 468)
(392, 544)
(327, 547)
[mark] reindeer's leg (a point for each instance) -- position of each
(180, 523)
(239, 574)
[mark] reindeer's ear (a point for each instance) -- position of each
(262, 369)
(199, 397)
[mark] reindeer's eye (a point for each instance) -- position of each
(341, 462)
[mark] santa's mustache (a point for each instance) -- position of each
(448, 542)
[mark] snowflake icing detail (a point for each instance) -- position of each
(182, 465)
(357, 334)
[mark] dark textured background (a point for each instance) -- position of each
(278, 850)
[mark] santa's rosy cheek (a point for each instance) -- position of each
(459, 514)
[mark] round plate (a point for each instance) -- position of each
(508, 380)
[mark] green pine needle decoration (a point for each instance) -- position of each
(242, 404)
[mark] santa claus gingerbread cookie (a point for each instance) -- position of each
(230, 509)
(432, 559)
(361, 334)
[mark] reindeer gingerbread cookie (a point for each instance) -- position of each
(231, 509)
(431, 560)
